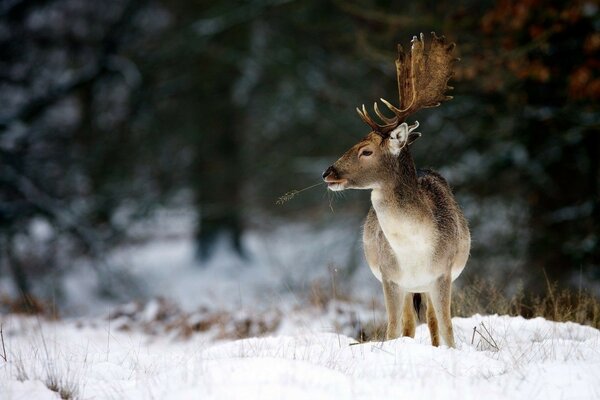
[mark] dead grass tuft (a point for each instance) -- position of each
(483, 297)
(28, 305)
(372, 331)
(21, 371)
(324, 291)
(561, 305)
(66, 389)
(483, 339)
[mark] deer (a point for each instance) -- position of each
(416, 239)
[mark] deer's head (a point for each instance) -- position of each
(422, 77)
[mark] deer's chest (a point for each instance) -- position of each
(412, 241)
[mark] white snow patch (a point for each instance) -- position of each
(532, 359)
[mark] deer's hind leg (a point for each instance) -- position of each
(440, 299)
(409, 319)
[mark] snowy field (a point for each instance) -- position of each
(281, 324)
(511, 358)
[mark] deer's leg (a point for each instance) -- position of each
(409, 322)
(432, 323)
(440, 299)
(394, 299)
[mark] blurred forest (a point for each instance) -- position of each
(113, 109)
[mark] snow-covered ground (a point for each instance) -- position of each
(511, 358)
(280, 324)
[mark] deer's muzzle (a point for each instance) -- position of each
(331, 174)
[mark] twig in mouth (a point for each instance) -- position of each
(291, 194)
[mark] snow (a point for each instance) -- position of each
(529, 359)
(238, 328)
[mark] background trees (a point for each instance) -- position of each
(111, 109)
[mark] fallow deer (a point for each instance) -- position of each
(415, 237)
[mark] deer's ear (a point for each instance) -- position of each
(398, 138)
(413, 136)
(402, 136)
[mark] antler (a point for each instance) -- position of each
(422, 82)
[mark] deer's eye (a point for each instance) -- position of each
(365, 153)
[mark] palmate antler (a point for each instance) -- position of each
(422, 82)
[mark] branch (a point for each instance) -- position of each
(83, 77)
(3, 355)
(58, 211)
(383, 17)
(39, 103)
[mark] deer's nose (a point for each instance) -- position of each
(330, 170)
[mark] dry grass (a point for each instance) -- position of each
(483, 339)
(20, 371)
(372, 331)
(28, 305)
(483, 297)
(65, 388)
(323, 292)
(555, 304)
(66, 384)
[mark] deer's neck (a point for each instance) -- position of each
(401, 189)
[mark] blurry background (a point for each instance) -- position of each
(130, 122)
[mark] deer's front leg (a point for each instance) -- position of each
(432, 323)
(394, 302)
(440, 300)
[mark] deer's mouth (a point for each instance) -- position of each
(336, 185)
